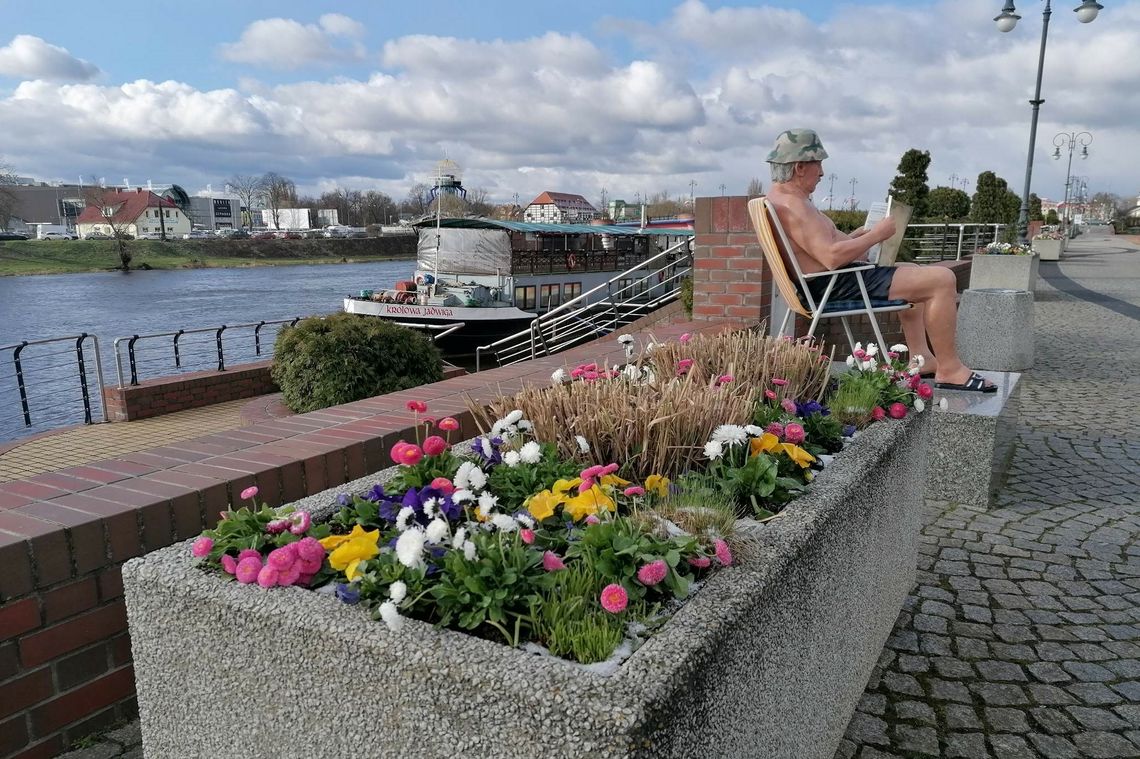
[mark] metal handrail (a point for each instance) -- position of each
(979, 234)
(573, 309)
(177, 336)
(22, 380)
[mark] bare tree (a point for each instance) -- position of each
(418, 201)
(8, 198)
(477, 204)
(279, 193)
(248, 188)
(109, 204)
(755, 187)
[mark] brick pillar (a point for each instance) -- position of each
(730, 280)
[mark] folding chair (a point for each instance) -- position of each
(778, 253)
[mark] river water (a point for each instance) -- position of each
(113, 304)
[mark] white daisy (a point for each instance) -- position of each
(511, 458)
(504, 523)
(486, 503)
(531, 453)
(524, 520)
(943, 403)
(753, 431)
(429, 507)
(391, 616)
(919, 405)
(714, 449)
(525, 425)
(899, 348)
(559, 376)
(487, 448)
(436, 531)
(461, 480)
(469, 551)
(513, 417)
(625, 339)
(397, 591)
(583, 444)
(410, 548)
(477, 479)
(462, 496)
(872, 349)
(733, 434)
(406, 513)
(459, 537)
(851, 361)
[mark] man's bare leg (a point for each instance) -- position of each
(914, 332)
(934, 287)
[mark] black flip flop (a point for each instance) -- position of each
(926, 375)
(976, 384)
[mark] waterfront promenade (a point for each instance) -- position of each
(1022, 636)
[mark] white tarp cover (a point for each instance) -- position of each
(465, 251)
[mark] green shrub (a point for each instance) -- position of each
(687, 295)
(326, 361)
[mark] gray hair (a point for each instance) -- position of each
(782, 172)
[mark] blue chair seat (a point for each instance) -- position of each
(858, 305)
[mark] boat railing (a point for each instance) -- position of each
(619, 300)
(50, 383)
(191, 350)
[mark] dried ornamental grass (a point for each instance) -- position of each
(656, 428)
(751, 358)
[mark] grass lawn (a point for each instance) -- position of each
(77, 256)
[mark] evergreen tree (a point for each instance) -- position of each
(1034, 207)
(989, 204)
(947, 204)
(909, 185)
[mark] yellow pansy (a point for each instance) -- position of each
(562, 487)
(590, 502)
(657, 485)
(353, 549)
(797, 454)
(763, 444)
(332, 541)
(541, 505)
(612, 480)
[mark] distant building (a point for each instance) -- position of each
(327, 217)
(140, 213)
(214, 212)
(619, 210)
(560, 208)
(41, 203)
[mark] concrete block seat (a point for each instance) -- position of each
(995, 329)
(971, 442)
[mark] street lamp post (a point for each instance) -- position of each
(1070, 140)
(1005, 21)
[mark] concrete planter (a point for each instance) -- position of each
(1004, 272)
(768, 659)
(1049, 250)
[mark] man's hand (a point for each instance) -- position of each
(884, 229)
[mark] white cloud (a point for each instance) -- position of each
(282, 43)
(874, 80)
(29, 57)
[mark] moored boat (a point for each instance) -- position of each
(478, 280)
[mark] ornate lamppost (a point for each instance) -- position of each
(1005, 21)
(1070, 140)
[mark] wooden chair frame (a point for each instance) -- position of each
(777, 252)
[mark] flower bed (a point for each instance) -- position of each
(521, 549)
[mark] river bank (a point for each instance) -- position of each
(27, 257)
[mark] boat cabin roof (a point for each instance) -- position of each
(579, 229)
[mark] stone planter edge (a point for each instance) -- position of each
(769, 658)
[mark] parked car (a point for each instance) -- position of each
(198, 234)
(290, 235)
(58, 236)
(357, 235)
(264, 236)
(12, 236)
(239, 234)
(97, 236)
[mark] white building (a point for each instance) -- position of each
(560, 208)
(287, 218)
(139, 213)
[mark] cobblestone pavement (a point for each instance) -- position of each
(1022, 637)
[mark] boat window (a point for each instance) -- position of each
(549, 296)
(525, 296)
(571, 290)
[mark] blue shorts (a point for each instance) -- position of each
(877, 280)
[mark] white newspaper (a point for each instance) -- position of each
(876, 213)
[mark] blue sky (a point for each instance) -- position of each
(637, 96)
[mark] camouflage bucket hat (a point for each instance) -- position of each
(797, 145)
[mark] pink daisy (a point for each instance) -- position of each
(652, 573)
(723, 554)
(614, 598)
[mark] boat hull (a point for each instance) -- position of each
(480, 326)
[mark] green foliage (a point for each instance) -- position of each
(909, 185)
(947, 204)
(327, 361)
(246, 528)
(824, 434)
(1035, 207)
(853, 402)
(847, 221)
(570, 622)
(514, 484)
(993, 201)
(499, 588)
(687, 295)
(616, 548)
(1051, 217)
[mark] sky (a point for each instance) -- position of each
(633, 97)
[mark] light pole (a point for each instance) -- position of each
(1070, 140)
(1005, 21)
(831, 189)
(854, 182)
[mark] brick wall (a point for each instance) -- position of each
(192, 390)
(730, 280)
(65, 663)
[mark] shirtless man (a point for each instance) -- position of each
(797, 168)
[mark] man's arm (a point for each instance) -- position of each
(815, 234)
